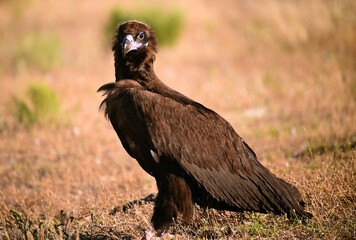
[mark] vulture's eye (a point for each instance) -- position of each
(141, 36)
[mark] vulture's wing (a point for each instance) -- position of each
(198, 142)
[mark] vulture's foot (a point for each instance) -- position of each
(162, 234)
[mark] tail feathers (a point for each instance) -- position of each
(292, 190)
(299, 210)
(307, 214)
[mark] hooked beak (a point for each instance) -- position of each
(128, 44)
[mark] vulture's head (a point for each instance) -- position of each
(134, 42)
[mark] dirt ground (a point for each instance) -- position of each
(283, 73)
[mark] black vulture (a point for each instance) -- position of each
(193, 153)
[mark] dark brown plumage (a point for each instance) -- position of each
(194, 154)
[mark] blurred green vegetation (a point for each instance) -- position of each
(38, 51)
(39, 105)
(166, 24)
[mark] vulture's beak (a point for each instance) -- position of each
(128, 44)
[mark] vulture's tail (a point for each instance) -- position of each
(297, 197)
(290, 200)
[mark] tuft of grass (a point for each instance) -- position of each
(40, 105)
(335, 147)
(273, 132)
(166, 24)
(37, 51)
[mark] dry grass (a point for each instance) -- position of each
(282, 72)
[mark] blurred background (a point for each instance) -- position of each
(283, 73)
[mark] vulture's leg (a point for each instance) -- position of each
(174, 197)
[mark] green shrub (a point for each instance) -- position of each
(166, 24)
(38, 51)
(39, 105)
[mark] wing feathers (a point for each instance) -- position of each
(233, 176)
(214, 159)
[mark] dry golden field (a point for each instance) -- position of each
(283, 73)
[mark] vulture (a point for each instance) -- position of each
(194, 154)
